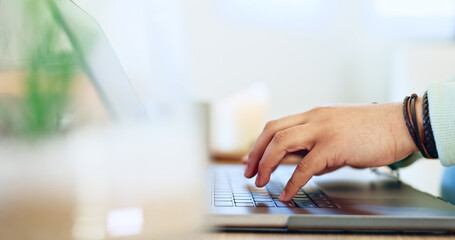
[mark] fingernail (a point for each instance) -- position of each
(282, 196)
(246, 171)
(258, 180)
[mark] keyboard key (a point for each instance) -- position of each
(301, 195)
(305, 204)
(223, 204)
(311, 190)
(262, 197)
(223, 195)
(301, 199)
(244, 204)
(232, 190)
(316, 195)
(265, 204)
(223, 199)
(263, 200)
(326, 206)
(240, 192)
(242, 198)
(222, 190)
(242, 195)
(284, 204)
(259, 193)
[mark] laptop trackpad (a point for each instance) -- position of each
(363, 184)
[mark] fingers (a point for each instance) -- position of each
(289, 140)
(290, 158)
(294, 157)
(313, 163)
(264, 139)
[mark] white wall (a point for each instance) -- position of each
(304, 67)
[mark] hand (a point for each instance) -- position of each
(359, 136)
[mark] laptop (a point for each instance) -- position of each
(347, 200)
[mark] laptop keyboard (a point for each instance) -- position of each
(237, 192)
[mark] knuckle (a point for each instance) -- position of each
(319, 110)
(269, 126)
(280, 136)
(321, 115)
(302, 167)
(315, 110)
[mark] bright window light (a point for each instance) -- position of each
(415, 8)
(275, 13)
(411, 19)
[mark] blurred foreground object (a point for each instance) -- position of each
(49, 67)
(237, 120)
(121, 182)
(448, 184)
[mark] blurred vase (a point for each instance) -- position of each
(237, 120)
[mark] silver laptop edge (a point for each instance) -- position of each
(98, 60)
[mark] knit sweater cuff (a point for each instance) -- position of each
(441, 99)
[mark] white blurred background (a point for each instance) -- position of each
(304, 53)
(308, 52)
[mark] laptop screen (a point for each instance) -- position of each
(98, 60)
